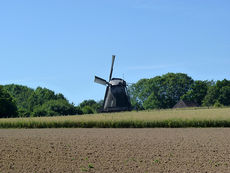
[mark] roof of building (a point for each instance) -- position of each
(184, 104)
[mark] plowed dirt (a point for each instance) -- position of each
(115, 150)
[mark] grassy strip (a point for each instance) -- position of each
(118, 124)
(145, 119)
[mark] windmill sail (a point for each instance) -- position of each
(100, 80)
(111, 71)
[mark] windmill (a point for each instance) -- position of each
(116, 96)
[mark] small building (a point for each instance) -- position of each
(184, 104)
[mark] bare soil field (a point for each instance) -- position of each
(115, 150)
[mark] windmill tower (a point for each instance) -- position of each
(116, 96)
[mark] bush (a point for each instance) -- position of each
(78, 110)
(218, 105)
(87, 110)
(39, 111)
(23, 112)
(94, 106)
(55, 107)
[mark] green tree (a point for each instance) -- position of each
(22, 112)
(30, 101)
(87, 110)
(152, 102)
(88, 103)
(172, 87)
(211, 96)
(224, 97)
(197, 92)
(78, 110)
(218, 93)
(8, 107)
(161, 91)
(92, 104)
(20, 94)
(55, 108)
(138, 94)
(42, 95)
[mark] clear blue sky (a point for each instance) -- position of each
(62, 44)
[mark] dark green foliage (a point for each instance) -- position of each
(40, 102)
(224, 97)
(41, 96)
(218, 105)
(91, 106)
(44, 102)
(22, 112)
(20, 94)
(8, 107)
(211, 97)
(78, 110)
(87, 110)
(40, 111)
(218, 94)
(155, 93)
(172, 87)
(88, 103)
(137, 94)
(44, 95)
(152, 102)
(54, 108)
(165, 91)
(197, 92)
(161, 91)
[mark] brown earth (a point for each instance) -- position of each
(115, 150)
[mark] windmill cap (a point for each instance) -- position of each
(117, 81)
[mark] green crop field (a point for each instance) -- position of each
(144, 119)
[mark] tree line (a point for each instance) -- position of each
(22, 101)
(159, 92)
(165, 91)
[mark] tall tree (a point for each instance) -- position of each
(218, 93)
(138, 93)
(197, 92)
(8, 107)
(28, 99)
(161, 91)
(20, 94)
(224, 97)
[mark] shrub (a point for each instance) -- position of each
(23, 112)
(55, 107)
(87, 110)
(218, 104)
